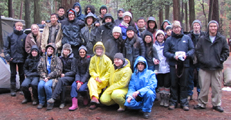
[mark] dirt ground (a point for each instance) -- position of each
(11, 108)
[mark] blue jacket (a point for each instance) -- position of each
(142, 81)
(176, 43)
(79, 15)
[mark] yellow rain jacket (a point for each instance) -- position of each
(99, 67)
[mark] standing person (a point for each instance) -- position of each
(117, 88)
(104, 32)
(163, 70)
(50, 68)
(120, 16)
(32, 76)
(151, 27)
(168, 30)
(178, 49)
(89, 9)
(194, 34)
(114, 44)
(52, 33)
(98, 69)
(133, 46)
(141, 26)
(88, 33)
(78, 10)
(211, 50)
(141, 88)
(67, 76)
(71, 31)
(164, 24)
(102, 11)
(61, 15)
(81, 79)
(150, 51)
(15, 54)
(33, 38)
(127, 21)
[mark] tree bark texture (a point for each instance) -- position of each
(176, 10)
(27, 13)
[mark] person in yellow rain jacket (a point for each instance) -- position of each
(99, 72)
(117, 89)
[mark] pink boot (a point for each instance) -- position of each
(74, 104)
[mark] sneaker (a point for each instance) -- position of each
(51, 100)
(198, 107)
(13, 93)
(146, 115)
(25, 101)
(50, 106)
(35, 102)
(121, 109)
(171, 107)
(95, 100)
(218, 108)
(40, 106)
(186, 108)
(62, 106)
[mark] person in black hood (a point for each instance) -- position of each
(78, 10)
(88, 9)
(14, 51)
(102, 11)
(61, 16)
(32, 76)
(120, 16)
(178, 49)
(71, 31)
(104, 32)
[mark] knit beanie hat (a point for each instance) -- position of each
(147, 33)
(82, 47)
(131, 28)
(116, 29)
(159, 32)
(197, 21)
(213, 21)
(176, 23)
(120, 56)
(102, 7)
(168, 27)
(127, 14)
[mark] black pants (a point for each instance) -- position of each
(60, 88)
(163, 80)
(179, 86)
(13, 74)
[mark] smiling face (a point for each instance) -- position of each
(66, 52)
(99, 51)
(160, 38)
(34, 53)
(71, 16)
(53, 19)
(213, 29)
(140, 66)
(196, 27)
(151, 24)
(148, 39)
(141, 23)
(120, 14)
(118, 62)
(77, 9)
(165, 25)
(176, 29)
(61, 12)
(116, 35)
(50, 51)
(34, 30)
(127, 19)
(108, 19)
(130, 34)
(18, 27)
(82, 53)
(89, 20)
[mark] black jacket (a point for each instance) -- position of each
(176, 43)
(14, 47)
(31, 63)
(61, 19)
(82, 69)
(133, 48)
(212, 55)
(69, 65)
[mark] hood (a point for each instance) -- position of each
(90, 15)
(152, 19)
(34, 47)
(77, 4)
(53, 46)
(107, 15)
(72, 10)
(66, 46)
(92, 8)
(162, 25)
(98, 44)
(140, 59)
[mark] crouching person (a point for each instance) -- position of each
(141, 89)
(49, 68)
(32, 76)
(81, 79)
(67, 76)
(117, 89)
(99, 72)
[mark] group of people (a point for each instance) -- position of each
(78, 50)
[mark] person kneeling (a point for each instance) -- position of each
(120, 75)
(141, 89)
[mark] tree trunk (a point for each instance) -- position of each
(67, 4)
(167, 12)
(203, 8)
(191, 11)
(210, 9)
(10, 9)
(186, 16)
(27, 13)
(215, 13)
(36, 12)
(176, 10)
(182, 14)
(21, 7)
(160, 16)
(1, 37)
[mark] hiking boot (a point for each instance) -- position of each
(166, 102)
(51, 100)
(146, 115)
(162, 99)
(35, 102)
(61, 106)
(50, 106)
(93, 106)
(171, 107)
(13, 93)
(25, 101)
(40, 106)
(186, 108)
(121, 109)
(218, 108)
(198, 107)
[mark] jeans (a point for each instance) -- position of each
(44, 88)
(33, 81)
(191, 80)
(82, 89)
